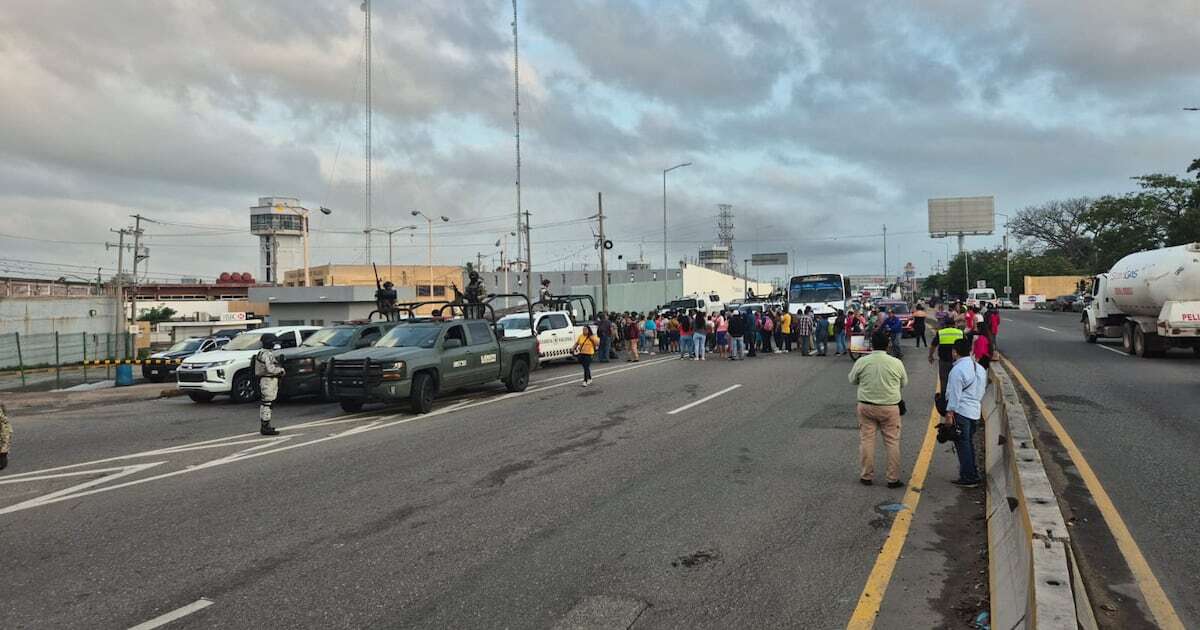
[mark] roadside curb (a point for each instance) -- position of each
(1031, 569)
(43, 402)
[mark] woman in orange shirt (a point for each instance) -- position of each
(585, 349)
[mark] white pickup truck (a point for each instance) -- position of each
(556, 332)
(230, 369)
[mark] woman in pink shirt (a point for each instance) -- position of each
(981, 348)
(722, 334)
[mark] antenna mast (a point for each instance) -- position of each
(366, 8)
(521, 232)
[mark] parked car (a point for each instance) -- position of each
(305, 364)
(900, 308)
(1006, 303)
(159, 372)
(230, 370)
(1065, 303)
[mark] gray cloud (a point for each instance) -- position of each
(821, 119)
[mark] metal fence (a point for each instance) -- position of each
(60, 355)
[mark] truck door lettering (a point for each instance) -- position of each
(460, 363)
(487, 358)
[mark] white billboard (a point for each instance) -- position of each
(951, 216)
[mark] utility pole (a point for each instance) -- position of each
(118, 281)
(529, 293)
(603, 258)
(137, 257)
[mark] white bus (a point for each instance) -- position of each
(824, 292)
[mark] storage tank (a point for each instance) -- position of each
(1141, 283)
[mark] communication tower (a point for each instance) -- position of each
(725, 232)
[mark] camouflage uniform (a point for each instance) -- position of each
(268, 370)
(5, 430)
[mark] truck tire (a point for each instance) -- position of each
(352, 406)
(1088, 334)
(1139, 342)
(201, 397)
(1127, 337)
(518, 377)
(422, 392)
(243, 389)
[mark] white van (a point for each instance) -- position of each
(976, 297)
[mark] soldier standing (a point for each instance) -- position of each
(268, 370)
(5, 436)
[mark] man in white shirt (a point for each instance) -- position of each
(964, 401)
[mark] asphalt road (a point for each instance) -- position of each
(596, 507)
(1135, 421)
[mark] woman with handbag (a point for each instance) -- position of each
(585, 350)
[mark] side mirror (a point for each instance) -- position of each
(500, 332)
(451, 344)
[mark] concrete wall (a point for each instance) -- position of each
(638, 296)
(647, 295)
(318, 314)
(31, 316)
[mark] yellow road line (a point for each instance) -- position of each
(1160, 606)
(871, 599)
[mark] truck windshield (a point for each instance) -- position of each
(329, 337)
(411, 336)
(515, 323)
(187, 345)
(245, 341)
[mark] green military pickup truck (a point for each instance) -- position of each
(422, 358)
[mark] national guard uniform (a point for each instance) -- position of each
(5, 436)
(268, 370)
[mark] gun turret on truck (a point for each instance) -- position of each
(1150, 300)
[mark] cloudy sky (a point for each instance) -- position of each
(819, 122)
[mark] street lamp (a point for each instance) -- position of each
(389, 235)
(303, 214)
(418, 213)
(1007, 279)
(665, 171)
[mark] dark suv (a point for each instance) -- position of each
(305, 365)
(161, 365)
(1065, 303)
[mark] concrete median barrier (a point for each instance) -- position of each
(1031, 570)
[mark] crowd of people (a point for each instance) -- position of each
(964, 341)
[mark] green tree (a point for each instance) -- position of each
(157, 314)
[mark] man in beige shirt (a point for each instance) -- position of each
(879, 377)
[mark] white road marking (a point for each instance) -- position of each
(1009, 319)
(1048, 329)
(73, 491)
(178, 613)
(1120, 352)
(260, 450)
(704, 400)
(599, 372)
